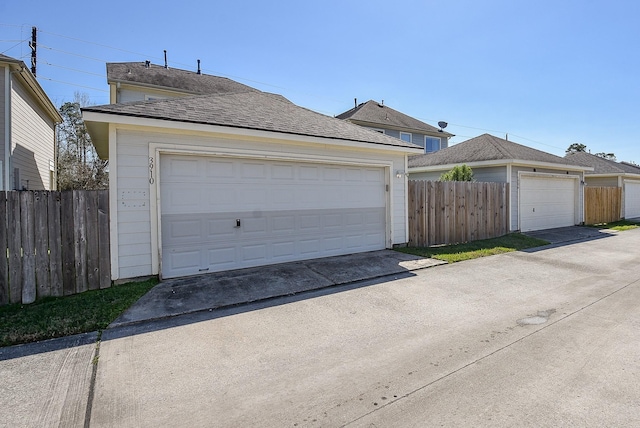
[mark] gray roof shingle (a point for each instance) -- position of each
(172, 78)
(484, 148)
(601, 165)
(250, 110)
(375, 113)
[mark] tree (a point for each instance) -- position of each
(458, 173)
(79, 166)
(576, 147)
(608, 156)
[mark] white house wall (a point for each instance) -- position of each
(32, 141)
(137, 239)
(3, 100)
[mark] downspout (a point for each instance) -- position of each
(7, 126)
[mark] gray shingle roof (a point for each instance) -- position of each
(172, 78)
(373, 112)
(600, 165)
(250, 110)
(484, 148)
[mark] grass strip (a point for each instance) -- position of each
(620, 225)
(473, 250)
(53, 317)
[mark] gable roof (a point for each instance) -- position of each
(151, 75)
(252, 110)
(489, 149)
(373, 113)
(600, 165)
(22, 72)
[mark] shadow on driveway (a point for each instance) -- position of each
(567, 236)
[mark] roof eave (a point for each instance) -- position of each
(501, 162)
(98, 127)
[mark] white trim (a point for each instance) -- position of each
(406, 200)
(113, 204)
(576, 216)
(510, 202)
(160, 149)
(7, 128)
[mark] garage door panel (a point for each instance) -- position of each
(287, 211)
(631, 199)
(547, 202)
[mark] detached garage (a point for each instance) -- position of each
(224, 181)
(546, 191)
(608, 173)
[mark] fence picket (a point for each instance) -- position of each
(450, 212)
(55, 243)
(41, 212)
(27, 226)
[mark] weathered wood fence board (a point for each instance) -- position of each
(55, 243)
(455, 212)
(602, 204)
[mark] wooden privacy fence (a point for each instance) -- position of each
(452, 212)
(56, 244)
(602, 204)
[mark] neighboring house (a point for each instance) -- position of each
(380, 118)
(607, 173)
(143, 81)
(546, 191)
(27, 130)
(232, 180)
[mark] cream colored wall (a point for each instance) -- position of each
(135, 193)
(32, 141)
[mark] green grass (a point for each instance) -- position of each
(475, 249)
(63, 316)
(618, 225)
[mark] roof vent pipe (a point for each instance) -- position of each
(147, 63)
(165, 59)
(355, 102)
(199, 72)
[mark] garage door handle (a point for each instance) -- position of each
(237, 222)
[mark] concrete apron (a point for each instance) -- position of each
(224, 289)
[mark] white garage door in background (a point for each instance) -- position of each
(227, 213)
(631, 199)
(547, 202)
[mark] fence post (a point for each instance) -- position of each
(4, 272)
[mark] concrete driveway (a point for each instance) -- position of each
(547, 337)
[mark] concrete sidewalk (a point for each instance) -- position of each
(225, 289)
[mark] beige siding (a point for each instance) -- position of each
(32, 141)
(125, 95)
(602, 181)
(134, 192)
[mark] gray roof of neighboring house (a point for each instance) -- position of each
(374, 113)
(484, 148)
(250, 110)
(601, 165)
(172, 78)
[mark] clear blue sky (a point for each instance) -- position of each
(548, 73)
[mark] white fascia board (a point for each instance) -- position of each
(501, 162)
(117, 119)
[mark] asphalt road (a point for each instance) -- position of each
(545, 338)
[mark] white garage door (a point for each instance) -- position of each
(547, 202)
(225, 213)
(631, 199)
